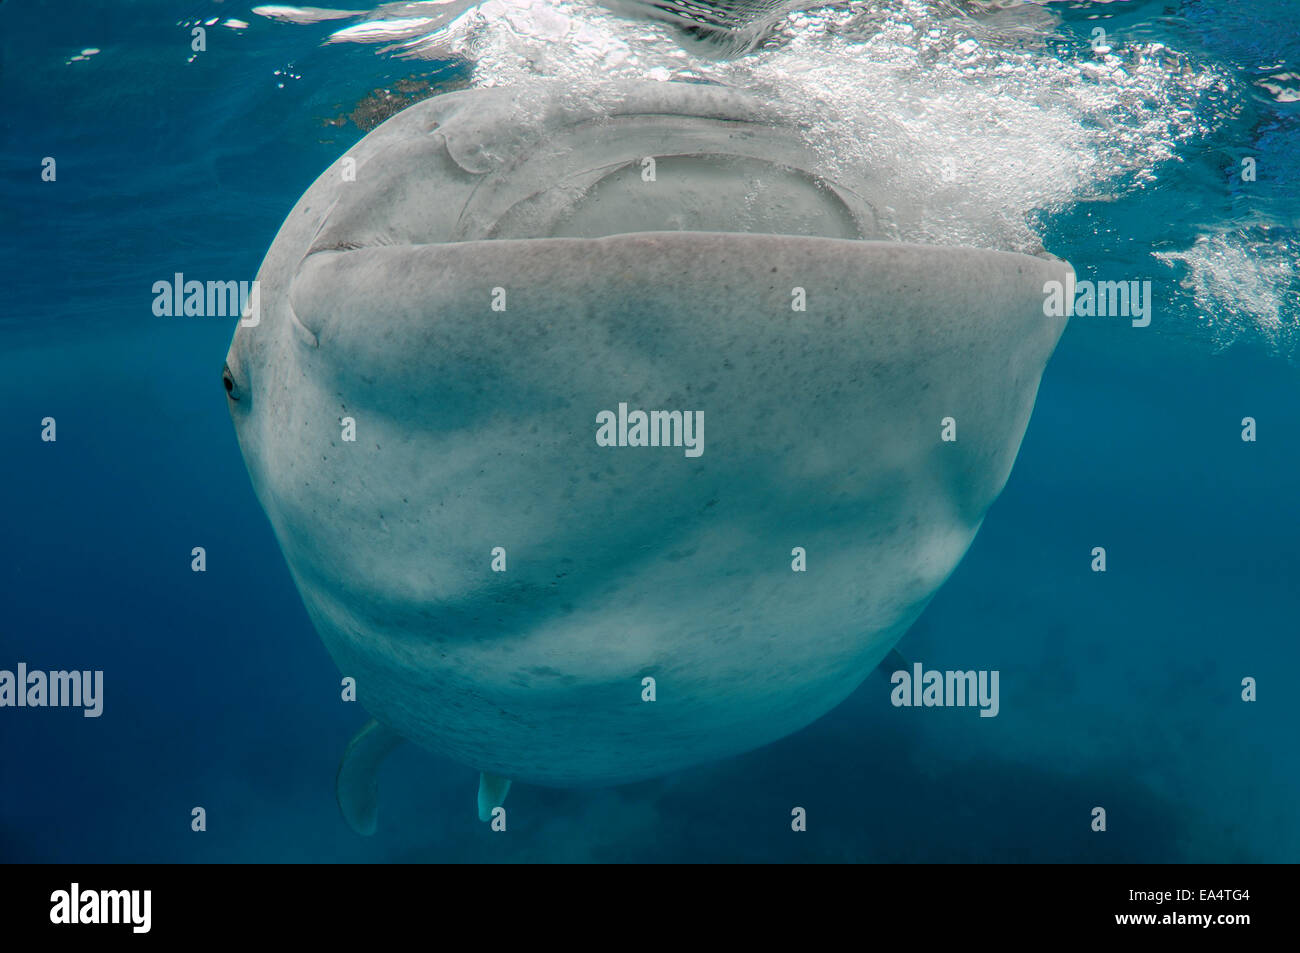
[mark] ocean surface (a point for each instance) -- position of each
(1125, 153)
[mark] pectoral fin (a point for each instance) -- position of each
(357, 784)
(492, 791)
(894, 662)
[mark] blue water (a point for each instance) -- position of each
(1120, 689)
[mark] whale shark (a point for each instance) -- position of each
(455, 309)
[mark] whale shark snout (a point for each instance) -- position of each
(453, 312)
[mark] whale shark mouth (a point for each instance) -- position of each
(670, 159)
(643, 157)
(455, 306)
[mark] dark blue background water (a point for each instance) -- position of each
(1120, 690)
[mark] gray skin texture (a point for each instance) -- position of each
(476, 428)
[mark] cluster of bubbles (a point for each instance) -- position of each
(1245, 281)
(971, 117)
(973, 120)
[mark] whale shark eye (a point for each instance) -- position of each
(228, 380)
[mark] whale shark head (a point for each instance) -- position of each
(604, 436)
